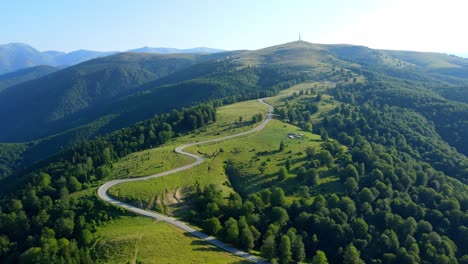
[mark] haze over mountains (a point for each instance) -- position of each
(14, 56)
(104, 94)
(381, 167)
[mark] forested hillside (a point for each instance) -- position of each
(37, 205)
(218, 80)
(403, 198)
(67, 92)
(380, 175)
(24, 75)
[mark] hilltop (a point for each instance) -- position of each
(108, 93)
(364, 160)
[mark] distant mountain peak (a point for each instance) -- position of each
(147, 49)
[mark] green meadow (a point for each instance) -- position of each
(142, 240)
(256, 155)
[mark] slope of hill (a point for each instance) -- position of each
(108, 93)
(174, 50)
(24, 75)
(69, 91)
(299, 55)
(78, 56)
(373, 178)
(429, 62)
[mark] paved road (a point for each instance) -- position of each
(102, 191)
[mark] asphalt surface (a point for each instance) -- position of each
(102, 191)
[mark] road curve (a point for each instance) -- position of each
(102, 191)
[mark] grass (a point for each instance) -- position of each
(259, 159)
(156, 193)
(256, 155)
(132, 239)
(149, 162)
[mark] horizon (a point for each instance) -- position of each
(425, 26)
(460, 54)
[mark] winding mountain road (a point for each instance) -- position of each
(102, 191)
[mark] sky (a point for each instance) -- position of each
(119, 25)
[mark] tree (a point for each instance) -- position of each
(360, 227)
(351, 185)
(348, 206)
(301, 173)
(282, 146)
(73, 184)
(323, 134)
(284, 250)
(231, 231)
(64, 226)
(310, 152)
(352, 255)
(277, 197)
(365, 195)
(350, 171)
(312, 177)
(282, 113)
(325, 157)
(268, 247)
(298, 249)
(308, 127)
(279, 215)
(319, 258)
(282, 173)
(246, 239)
(212, 226)
(4, 245)
(287, 164)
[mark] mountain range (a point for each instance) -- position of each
(51, 108)
(15, 56)
(364, 160)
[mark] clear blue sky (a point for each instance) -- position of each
(234, 24)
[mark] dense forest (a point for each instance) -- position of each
(395, 139)
(217, 80)
(405, 196)
(40, 222)
(58, 225)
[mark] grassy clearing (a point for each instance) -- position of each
(149, 162)
(259, 159)
(256, 155)
(163, 158)
(130, 239)
(157, 194)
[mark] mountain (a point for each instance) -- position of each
(79, 56)
(16, 56)
(105, 94)
(67, 92)
(174, 50)
(376, 171)
(24, 75)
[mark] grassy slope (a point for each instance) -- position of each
(227, 123)
(242, 151)
(137, 238)
(120, 238)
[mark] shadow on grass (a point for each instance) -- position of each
(249, 184)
